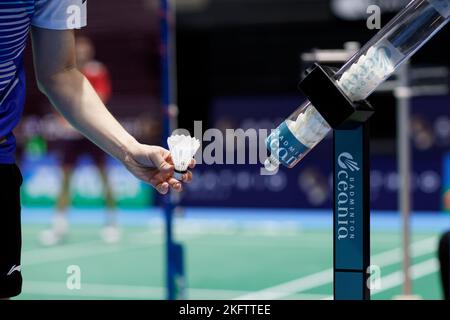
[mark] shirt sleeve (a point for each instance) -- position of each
(60, 14)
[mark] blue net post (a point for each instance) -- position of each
(351, 213)
(175, 278)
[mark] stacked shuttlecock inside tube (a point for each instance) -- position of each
(360, 76)
(182, 149)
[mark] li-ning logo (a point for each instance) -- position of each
(346, 161)
(14, 268)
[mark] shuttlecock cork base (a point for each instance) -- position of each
(179, 174)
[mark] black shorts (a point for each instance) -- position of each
(10, 233)
(444, 259)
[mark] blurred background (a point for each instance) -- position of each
(238, 63)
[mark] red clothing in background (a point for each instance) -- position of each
(98, 76)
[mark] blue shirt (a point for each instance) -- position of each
(16, 19)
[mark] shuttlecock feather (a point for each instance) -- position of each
(182, 148)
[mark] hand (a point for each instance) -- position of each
(153, 165)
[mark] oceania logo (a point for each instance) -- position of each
(346, 161)
(346, 196)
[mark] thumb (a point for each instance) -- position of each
(159, 162)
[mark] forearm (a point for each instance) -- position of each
(73, 96)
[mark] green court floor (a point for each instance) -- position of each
(221, 264)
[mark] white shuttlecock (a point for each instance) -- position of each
(182, 148)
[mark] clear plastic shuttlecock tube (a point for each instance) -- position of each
(296, 136)
(182, 149)
(360, 76)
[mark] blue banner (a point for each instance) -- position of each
(309, 184)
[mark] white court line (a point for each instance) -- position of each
(418, 271)
(96, 247)
(395, 279)
(56, 250)
(111, 291)
(318, 279)
(265, 244)
(418, 248)
(44, 288)
(79, 250)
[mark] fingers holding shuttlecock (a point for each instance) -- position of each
(182, 149)
(192, 164)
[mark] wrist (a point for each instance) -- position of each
(129, 149)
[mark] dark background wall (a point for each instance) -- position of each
(126, 39)
(243, 48)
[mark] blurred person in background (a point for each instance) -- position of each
(447, 201)
(51, 24)
(74, 145)
(422, 133)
